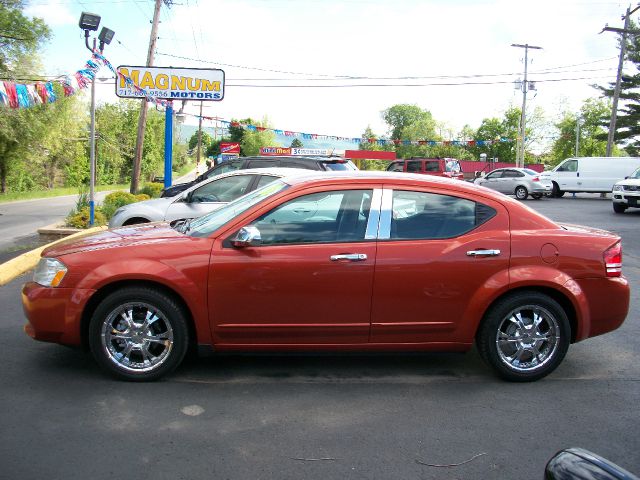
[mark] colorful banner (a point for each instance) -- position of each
(270, 151)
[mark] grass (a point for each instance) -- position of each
(186, 168)
(54, 192)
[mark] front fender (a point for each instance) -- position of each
(189, 284)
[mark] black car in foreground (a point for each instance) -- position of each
(309, 163)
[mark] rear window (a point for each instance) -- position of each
(341, 165)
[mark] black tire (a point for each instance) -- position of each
(555, 191)
(619, 207)
(550, 337)
(536, 196)
(521, 192)
(129, 348)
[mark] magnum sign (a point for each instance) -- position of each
(169, 83)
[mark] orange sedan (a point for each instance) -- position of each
(345, 261)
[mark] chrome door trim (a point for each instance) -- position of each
(374, 215)
(384, 230)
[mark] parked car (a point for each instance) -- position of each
(580, 464)
(306, 163)
(626, 193)
(342, 261)
(199, 199)
(589, 174)
(521, 182)
(441, 167)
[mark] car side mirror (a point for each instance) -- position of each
(580, 464)
(188, 197)
(248, 236)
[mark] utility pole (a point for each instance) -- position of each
(616, 91)
(142, 121)
(577, 136)
(523, 115)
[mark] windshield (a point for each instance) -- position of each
(340, 166)
(635, 175)
(205, 225)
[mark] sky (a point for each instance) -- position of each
(308, 48)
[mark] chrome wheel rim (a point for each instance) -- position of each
(528, 338)
(521, 193)
(137, 337)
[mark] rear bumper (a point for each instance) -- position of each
(607, 303)
(54, 314)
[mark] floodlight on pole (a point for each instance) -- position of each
(90, 22)
(105, 37)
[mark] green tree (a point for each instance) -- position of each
(296, 143)
(497, 138)
(251, 139)
(205, 142)
(21, 38)
(628, 118)
(19, 128)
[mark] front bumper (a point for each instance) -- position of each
(630, 199)
(54, 314)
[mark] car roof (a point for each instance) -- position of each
(383, 176)
(276, 171)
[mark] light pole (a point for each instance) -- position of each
(90, 22)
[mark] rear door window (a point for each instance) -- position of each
(424, 216)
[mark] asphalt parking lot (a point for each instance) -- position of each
(286, 417)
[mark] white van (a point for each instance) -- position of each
(589, 174)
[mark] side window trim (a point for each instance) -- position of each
(374, 215)
(384, 230)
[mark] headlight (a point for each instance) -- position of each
(49, 272)
(617, 188)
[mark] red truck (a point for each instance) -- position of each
(441, 167)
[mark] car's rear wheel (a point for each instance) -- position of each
(555, 191)
(619, 207)
(138, 334)
(521, 192)
(524, 336)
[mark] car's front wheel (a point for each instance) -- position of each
(521, 192)
(524, 336)
(138, 334)
(619, 207)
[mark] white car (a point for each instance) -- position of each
(626, 193)
(201, 198)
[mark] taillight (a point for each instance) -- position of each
(613, 260)
(535, 179)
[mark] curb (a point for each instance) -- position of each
(23, 263)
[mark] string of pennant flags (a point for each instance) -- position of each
(359, 140)
(18, 95)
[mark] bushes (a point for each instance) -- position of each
(152, 189)
(80, 219)
(79, 216)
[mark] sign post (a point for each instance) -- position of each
(168, 145)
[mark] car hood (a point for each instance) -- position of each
(117, 237)
(629, 182)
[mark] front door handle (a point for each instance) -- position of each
(352, 257)
(483, 253)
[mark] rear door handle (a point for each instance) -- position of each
(352, 257)
(483, 253)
